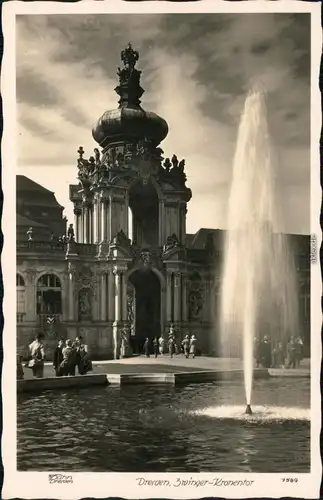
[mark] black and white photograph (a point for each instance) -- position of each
(167, 313)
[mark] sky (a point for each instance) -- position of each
(196, 71)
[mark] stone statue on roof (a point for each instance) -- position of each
(70, 233)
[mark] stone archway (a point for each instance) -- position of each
(147, 305)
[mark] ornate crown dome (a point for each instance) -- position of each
(130, 122)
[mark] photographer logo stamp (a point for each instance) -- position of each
(59, 479)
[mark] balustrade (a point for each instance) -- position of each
(21, 317)
(40, 246)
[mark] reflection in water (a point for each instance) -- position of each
(166, 429)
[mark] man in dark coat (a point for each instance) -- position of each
(156, 346)
(58, 357)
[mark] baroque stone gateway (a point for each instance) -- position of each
(117, 279)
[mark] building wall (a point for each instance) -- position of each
(196, 289)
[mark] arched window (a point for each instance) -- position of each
(49, 295)
(21, 294)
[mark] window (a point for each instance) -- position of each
(21, 297)
(49, 281)
(49, 295)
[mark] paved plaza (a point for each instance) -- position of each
(166, 364)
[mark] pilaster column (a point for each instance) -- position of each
(110, 296)
(161, 235)
(177, 297)
(169, 294)
(124, 298)
(163, 312)
(71, 294)
(95, 222)
(77, 220)
(104, 219)
(98, 220)
(31, 286)
(81, 225)
(117, 296)
(183, 211)
(65, 298)
(110, 218)
(85, 224)
(103, 297)
(184, 298)
(91, 225)
(118, 314)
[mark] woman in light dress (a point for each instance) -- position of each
(161, 342)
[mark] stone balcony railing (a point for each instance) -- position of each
(40, 246)
(21, 317)
(55, 246)
(86, 249)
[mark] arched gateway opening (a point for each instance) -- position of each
(146, 306)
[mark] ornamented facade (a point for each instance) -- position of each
(116, 276)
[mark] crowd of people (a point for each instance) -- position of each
(278, 355)
(68, 356)
(162, 345)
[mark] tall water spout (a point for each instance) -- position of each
(258, 294)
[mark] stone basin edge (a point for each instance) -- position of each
(178, 378)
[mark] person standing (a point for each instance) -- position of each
(291, 359)
(146, 347)
(37, 355)
(171, 346)
(58, 357)
(298, 351)
(85, 361)
(193, 346)
(80, 354)
(186, 346)
(156, 346)
(161, 342)
(266, 352)
(278, 356)
(68, 364)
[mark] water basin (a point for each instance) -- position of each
(197, 428)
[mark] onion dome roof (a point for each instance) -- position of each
(130, 122)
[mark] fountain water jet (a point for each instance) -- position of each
(258, 287)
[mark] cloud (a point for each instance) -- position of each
(196, 72)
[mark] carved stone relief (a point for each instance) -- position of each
(131, 308)
(195, 297)
(85, 304)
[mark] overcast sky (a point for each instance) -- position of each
(197, 70)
